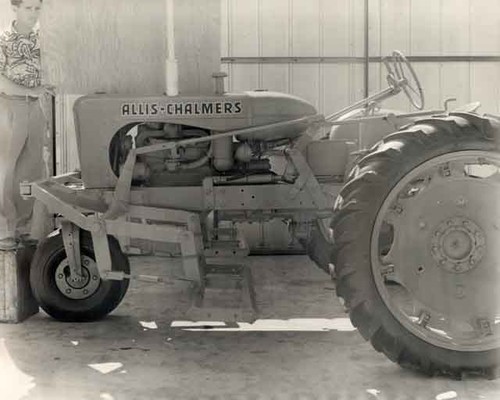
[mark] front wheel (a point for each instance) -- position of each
(85, 299)
(417, 229)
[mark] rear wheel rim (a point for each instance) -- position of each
(433, 253)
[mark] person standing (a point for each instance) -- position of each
(23, 125)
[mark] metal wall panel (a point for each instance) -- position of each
(244, 77)
(440, 28)
(455, 81)
(485, 86)
(306, 27)
(274, 24)
(276, 77)
(296, 28)
(455, 26)
(335, 86)
(305, 82)
(394, 26)
(430, 78)
(244, 33)
(94, 45)
(306, 41)
(424, 27)
(484, 26)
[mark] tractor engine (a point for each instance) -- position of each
(189, 164)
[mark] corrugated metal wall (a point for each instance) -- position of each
(334, 28)
(443, 28)
(296, 28)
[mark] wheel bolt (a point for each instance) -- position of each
(60, 276)
(85, 291)
(68, 291)
(457, 268)
(94, 277)
(460, 291)
(85, 262)
(461, 202)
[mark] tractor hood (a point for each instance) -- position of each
(99, 117)
(217, 113)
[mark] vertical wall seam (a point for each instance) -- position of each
(59, 127)
(441, 50)
(410, 41)
(230, 42)
(380, 46)
(469, 51)
(259, 44)
(410, 29)
(349, 38)
(366, 36)
(64, 129)
(321, 100)
(290, 45)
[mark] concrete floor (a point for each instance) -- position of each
(279, 359)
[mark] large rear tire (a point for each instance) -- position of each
(68, 300)
(416, 232)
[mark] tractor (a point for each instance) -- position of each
(402, 216)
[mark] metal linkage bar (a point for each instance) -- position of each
(352, 60)
(384, 117)
(278, 125)
(377, 97)
(71, 239)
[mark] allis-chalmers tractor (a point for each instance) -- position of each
(405, 219)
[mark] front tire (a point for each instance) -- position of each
(65, 300)
(416, 233)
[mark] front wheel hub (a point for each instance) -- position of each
(77, 287)
(458, 245)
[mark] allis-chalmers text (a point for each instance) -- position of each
(194, 108)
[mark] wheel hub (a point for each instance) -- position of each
(77, 287)
(79, 282)
(458, 245)
(437, 269)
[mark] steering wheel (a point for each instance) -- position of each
(402, 76)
